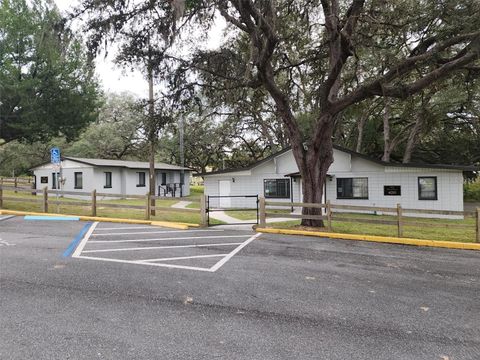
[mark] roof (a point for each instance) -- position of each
(249, 167)
(354, 153)
(121, 164)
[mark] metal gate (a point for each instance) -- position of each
(228, 204)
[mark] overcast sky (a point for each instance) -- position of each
(114, 79)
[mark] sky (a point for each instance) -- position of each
(115, 79)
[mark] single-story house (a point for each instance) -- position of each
(113, 177)
(353, 179)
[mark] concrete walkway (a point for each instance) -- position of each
(224, 217)
(181, 204)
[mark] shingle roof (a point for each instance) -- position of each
(389, 164)
(124, 164)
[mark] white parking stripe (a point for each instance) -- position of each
(136, 262)
(166, 239)
(235, 251)
(153, 228)
(160, 247)
(150, 232)
(183, 258)
(82, 244)
(6, 217)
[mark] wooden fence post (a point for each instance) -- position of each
(15, 184)
(203, 211)
(329, 215)
(478, 225)
(399, 221)
(94, 202)
(1, 196)
(45, 200)
(148, 207)
(263, 212)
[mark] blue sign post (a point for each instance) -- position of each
(56, 160)
(55, 156)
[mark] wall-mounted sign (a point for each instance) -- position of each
(392, 190)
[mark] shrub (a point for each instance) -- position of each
(471, 191)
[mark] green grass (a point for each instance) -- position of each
(80, 209)
(429, 232)
(252, 214)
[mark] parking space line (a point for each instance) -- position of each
(235, 251)
(166, 239)
(6, 217)
(184, 258)
(82, 244)
(153, 228)
(160, 247)
(136, 262)
(147, 232)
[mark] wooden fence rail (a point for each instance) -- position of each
(93, 201)
(397, 213)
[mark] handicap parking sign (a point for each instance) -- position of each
(55, 155)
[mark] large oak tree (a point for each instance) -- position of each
(318, 58)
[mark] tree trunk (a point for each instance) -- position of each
(412, 139)
(313, 166)
(387, 149)
(360, 128)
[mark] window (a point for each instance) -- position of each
(427, 188)
(277, 188)
(55, 176)
(108, 180)
(182, 177)
(352, 188)
(78, 180)
(141, 179)
(164, 179)
(44, 180)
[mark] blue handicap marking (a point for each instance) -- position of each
(54, 218)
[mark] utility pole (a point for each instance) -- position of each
(152, 134)
(182, 155)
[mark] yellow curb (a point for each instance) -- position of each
(379, 239)
(173, 225)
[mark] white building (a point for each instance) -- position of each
(113, 177)
(353, 179)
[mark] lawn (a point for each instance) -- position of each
(431, 231)
(104, 211)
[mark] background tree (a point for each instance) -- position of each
(117, 134)
(47, 84)
(416, 43)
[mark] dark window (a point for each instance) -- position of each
(141, 179)
(164, 178)
(352, 188)
(55, 176)
(108, 180)
(392, 190)
(427, 188)
(78, 180)
(277, 188)
(44, 180)
(182, 178)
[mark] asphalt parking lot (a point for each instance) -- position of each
(71, 290)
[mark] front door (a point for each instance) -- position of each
(224, 190)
